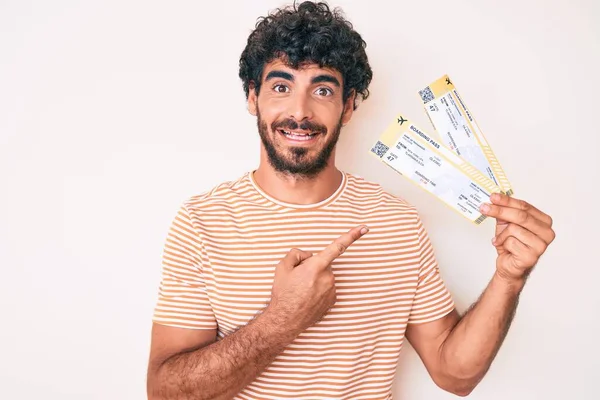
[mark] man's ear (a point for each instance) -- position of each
(252, 98)
(348, 108)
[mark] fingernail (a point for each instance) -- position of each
(364, 230)
(495, 197)
(485, 207)
(494, 240)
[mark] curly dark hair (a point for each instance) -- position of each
(308, 33)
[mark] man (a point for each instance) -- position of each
(301, 281)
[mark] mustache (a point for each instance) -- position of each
(290, 125)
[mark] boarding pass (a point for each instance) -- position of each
(461, 169)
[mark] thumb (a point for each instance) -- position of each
(293, 258)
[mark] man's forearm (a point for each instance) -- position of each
(471, 346)
(222, 369)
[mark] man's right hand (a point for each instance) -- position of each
(304, 284)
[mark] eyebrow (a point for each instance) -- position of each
(326, 78)
(317, 79)
(279, 74)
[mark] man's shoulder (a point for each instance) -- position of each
(226, 193)
(373, 194)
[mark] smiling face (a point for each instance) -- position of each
(300, 113)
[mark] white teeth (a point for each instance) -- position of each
(297, 136)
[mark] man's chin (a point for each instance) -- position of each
(306, 167)
(302, 161)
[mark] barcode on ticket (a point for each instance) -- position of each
(426, 94)
(380, 149)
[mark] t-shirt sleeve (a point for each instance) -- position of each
(432, 299)
(182, 298)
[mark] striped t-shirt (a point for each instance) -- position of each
(218, 267)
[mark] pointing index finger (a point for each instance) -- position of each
(339, 245)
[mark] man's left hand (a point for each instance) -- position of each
(523, 233)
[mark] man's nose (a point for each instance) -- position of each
(300, 107)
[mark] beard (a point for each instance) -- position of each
(297, 161)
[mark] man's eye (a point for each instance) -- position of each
(280, 88)
(324, 91)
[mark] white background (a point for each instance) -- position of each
(113, 112)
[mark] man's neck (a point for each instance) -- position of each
(298, 190)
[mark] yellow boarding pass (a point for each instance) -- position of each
(459, 131)
(435, 168)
